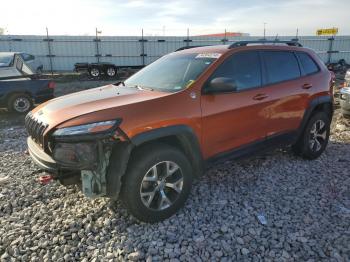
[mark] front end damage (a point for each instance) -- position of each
(85, 159)
(85, 164)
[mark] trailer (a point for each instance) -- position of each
(96, 70)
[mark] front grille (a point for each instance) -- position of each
(35, 129)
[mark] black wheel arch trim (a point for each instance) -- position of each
(320, 100)
(122, 151)
(186, 136)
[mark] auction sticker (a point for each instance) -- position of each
(209, 55)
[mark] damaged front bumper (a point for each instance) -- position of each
(43, 160)
(82, 161)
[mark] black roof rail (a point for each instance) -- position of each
(188, 47)
(245, 43)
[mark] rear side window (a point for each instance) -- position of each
(308, 64)
(243, 68)
(280, 66)
(27, 57)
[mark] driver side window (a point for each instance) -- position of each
(243, 68)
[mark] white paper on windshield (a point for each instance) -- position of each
(209, 55)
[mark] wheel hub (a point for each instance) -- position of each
(161, 185)
(318, 135)
(21, 104)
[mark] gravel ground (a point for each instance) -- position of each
(306, 205)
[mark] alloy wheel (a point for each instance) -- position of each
(318, 135)
(161, 186)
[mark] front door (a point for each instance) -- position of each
(234, 119)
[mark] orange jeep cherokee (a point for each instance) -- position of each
(147, 138)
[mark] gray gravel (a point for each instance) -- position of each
(306, 205)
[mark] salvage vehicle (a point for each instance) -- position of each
(145, 139)
(345, 96)
(19, 95)
(19, 88)
(7, 59)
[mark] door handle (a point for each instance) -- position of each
(307, 86)
(260, 97)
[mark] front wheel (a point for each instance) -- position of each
(94, 72)
(314, 139)
(157, 183)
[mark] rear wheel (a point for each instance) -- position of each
(20, 103)
(157, 183)
(314, 139)
(111, 71)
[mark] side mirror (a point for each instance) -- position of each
(220, 85)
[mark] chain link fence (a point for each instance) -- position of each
(60, 53)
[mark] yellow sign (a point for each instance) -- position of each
(327, 31)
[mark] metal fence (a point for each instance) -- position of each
(60, 53)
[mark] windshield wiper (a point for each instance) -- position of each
(143, 87)
(119, 83)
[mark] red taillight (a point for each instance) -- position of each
(52, 85)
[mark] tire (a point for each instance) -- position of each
(141, 179)
(20, 103)
(111, 71)
(94, 72)
(314, 139)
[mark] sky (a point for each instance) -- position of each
(173, 17)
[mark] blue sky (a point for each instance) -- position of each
(123, 17)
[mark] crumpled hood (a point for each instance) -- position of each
(64, 108)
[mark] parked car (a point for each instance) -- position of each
(345, 96)
(145, 140)
(339, 68)
(19, 95)
(7, 59)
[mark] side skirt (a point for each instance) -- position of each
(256, 147)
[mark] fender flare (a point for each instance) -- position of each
(320, 100)
(122, 151)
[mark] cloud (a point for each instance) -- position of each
(121, 17)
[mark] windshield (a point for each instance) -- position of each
(172, 72)
(5, 60)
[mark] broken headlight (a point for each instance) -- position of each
(85, 129)
(78, 155)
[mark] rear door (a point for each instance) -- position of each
(286, 91)
(233, 119)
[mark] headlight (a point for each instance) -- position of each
(85, 129)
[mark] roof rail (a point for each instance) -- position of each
(245, 43)
(188, 47)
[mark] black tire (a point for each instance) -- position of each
(111, 71)
(307, 146)
(94, 72)
(20, 103)
(133, 182)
